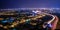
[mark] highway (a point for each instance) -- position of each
(53, 21)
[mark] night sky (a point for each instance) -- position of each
(29, 4)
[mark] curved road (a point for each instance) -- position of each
(53, 21)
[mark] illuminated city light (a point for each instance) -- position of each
(25, 17)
